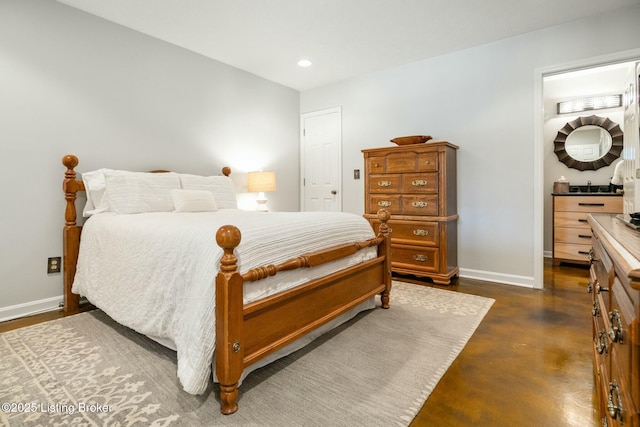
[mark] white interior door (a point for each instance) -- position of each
(631, 142)
(321, 136)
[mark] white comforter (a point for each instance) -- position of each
(155, 272)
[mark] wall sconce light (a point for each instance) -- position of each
(589, 103)
(261, 182)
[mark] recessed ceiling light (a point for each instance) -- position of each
(304, 63)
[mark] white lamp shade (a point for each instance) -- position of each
(261, 181)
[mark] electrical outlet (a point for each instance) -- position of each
(54, 265)
(356, 174)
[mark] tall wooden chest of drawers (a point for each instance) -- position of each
(417, 184)
(615, 288)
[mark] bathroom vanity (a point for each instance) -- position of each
(572, 236)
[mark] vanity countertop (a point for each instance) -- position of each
(588, 194)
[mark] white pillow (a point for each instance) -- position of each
(94, 186)
(193, 201)
(220, 186)
(139, 192)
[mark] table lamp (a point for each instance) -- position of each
(261, 182)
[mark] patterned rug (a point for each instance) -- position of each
(375, 370)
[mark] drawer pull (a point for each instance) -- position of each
(427, 162)
(615, 409)
(384, 203)
(420, 258)
(384, 183)
(419, 204)
(584, 236)
(601, 342)
(582, 220)
(601, 289)
(590, 204)
(376, 165)
(595, 311)
(615, 331)
(420, 232)
(418, 182)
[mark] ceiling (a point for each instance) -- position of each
(343, 38)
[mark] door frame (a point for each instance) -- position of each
(303, 154)
(538, 144)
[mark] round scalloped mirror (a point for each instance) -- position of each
(588, 143)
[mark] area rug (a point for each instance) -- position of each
(375, 370)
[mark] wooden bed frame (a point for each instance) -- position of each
(248, 333)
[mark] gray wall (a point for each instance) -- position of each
(71, 83)
(481, 99)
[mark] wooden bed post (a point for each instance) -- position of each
(385, 249)
(229, 318)
(70, 233)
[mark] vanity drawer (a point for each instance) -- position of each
(570, 219)
(571, 252)
(415, 257)
(389, 183)
(580, 236)
(420, 183)
(589, 204)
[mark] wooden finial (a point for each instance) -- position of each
(228, 238)
(70, 161)
(226, 171)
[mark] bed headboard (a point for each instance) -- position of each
(71, 232)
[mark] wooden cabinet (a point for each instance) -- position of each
(417, 184)
(615, 288)
(571, 232)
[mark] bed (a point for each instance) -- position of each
(281, 279)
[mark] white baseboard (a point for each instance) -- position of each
(50, 304)
(490, 276)
(29, 308)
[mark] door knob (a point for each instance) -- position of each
(334, 192)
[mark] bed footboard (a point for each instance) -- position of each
(287, 316)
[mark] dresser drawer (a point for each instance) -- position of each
(412, 232)
(571, 251)
(621, 410)
(375, 165)
(420, 183)
(391, 202)
(401, 162)
(620, 333)
(420, 205)
(590, 204)
(411, 162)
(415, 257)
(580, 236)
(427, 162)
(389, 183)
(570, 219)
(602, 265)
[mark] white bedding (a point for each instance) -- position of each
(155, 272)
